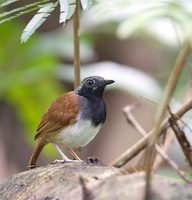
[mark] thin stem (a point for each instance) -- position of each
(170, 88)
(142, 143)
(131, 119)
(76, 44)
(181, 137)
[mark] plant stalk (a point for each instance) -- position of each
(76, 44)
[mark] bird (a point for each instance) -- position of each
(72, 120)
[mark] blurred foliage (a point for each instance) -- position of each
(135, 16)
(44, 7)
(60, 43)
(164, 23)
(27, 76)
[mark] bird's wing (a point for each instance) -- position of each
(62, 112)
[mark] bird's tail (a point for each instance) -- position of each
(40, 145)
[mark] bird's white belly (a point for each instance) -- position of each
(76, 135)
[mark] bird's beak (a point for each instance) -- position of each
(107, 82)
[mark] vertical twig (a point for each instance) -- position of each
(76, 43)
(170, 88)
(171, 85)
(182, 139)
(76, 48)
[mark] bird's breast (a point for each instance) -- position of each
(94, 110)
(77, 135)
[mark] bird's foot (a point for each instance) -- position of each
(93, 161)
(58, 161)
(66, 161)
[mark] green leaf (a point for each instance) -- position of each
(71, 9)
(27, 80)
(84, 3)
(17, 15)
(17, 12)
(37, 20)
(8, 2)
(141, 20)
(63, 10)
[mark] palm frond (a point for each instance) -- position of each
(17, 15)
(8, 15)
(63, 10)
(7, 2)
(44, 7)
(71, 9)
(37, 3)
(37, 20)
(84, 4)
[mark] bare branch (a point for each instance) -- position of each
(131, 119)
(182, 139)
(169, 89)
(141, 144)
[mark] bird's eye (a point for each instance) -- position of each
(90, 83)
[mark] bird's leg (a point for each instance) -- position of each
(65, 158)
(74, 154)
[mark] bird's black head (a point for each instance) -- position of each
(93, 87)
